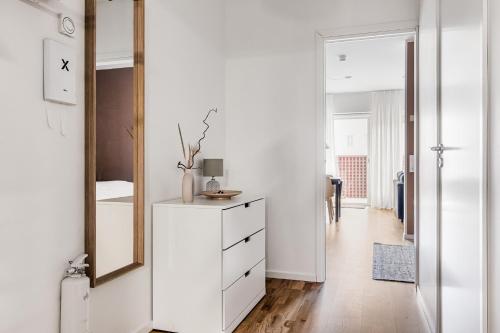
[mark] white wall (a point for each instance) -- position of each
(271, 120)
(494, 167)
(42, 188)
(358, 102)
(42, 192)
(114, 30)
(185, 77)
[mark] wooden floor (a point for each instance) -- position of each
(349, 300)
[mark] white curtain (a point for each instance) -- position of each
(387, 141)
(331, 158)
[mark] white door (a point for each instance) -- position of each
(461, 174)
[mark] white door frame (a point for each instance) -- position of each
(485, 220)
(323, 37)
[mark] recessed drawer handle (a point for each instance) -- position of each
(248, 273)
(248, 239)
(247, 204)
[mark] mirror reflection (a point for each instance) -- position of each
(114, 135)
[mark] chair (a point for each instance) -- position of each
(400, 195)
(328, 197)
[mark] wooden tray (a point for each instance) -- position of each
(221, 195)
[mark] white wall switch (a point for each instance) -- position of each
(58, 72)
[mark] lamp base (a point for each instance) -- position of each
(213, 185)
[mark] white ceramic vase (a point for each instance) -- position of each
(188, 186)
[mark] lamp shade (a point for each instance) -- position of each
(213, 167)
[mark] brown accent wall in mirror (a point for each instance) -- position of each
(114, 124)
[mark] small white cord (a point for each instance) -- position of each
(63, 123)
(57, 118)
(52, 116)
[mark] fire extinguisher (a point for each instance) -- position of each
(75, 297)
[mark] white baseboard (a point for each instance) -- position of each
(424, 312)
(291, 276)
(146, 328)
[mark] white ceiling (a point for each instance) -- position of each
(373, 64)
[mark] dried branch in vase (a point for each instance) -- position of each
(189, 156)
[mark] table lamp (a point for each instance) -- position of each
(213, 168)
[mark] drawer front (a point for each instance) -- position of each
(242, 221)
(238, 259)
(239, 296)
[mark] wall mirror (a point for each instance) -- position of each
(114, 143)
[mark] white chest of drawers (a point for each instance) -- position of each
(208, 263)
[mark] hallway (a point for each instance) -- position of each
(349, 300)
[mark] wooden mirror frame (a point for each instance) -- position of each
(90, 142)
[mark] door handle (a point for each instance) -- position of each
(439, 148)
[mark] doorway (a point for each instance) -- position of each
(369, 123)
(366, 122)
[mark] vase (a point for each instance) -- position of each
(188, 186)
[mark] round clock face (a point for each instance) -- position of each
(68, 25)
